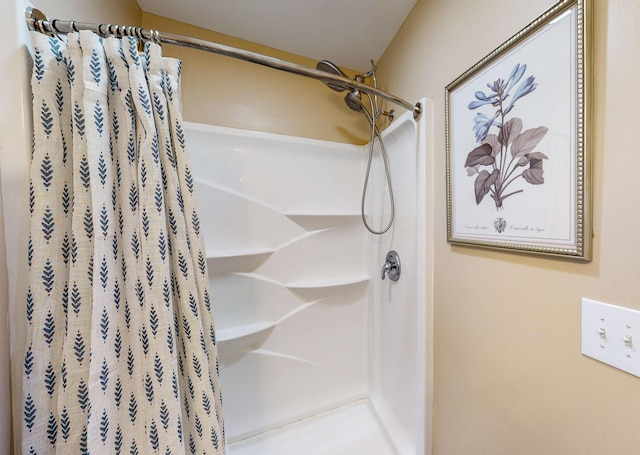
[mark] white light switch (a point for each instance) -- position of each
(611, 334)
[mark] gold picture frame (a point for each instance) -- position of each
(518, 141)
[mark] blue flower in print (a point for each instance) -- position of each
(499, 94)
(511, 149)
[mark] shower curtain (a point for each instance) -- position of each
(121, 354)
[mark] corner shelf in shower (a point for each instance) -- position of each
(316, 221)
(237, 261)
(314, 290)
(244, 337)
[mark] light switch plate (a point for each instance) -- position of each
(611, 334)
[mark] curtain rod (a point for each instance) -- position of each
(37, 21)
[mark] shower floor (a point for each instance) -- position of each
(346, 430)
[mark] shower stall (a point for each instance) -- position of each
(322, 351)
(320, 354)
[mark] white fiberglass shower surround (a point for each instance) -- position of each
(319, 354)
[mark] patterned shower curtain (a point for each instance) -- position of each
(121, 354)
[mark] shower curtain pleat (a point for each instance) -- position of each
(121, 354)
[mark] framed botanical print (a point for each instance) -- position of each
(518, 141)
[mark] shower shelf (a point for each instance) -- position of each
(239, 261)
(314, 290)
(315, 221)
(244, 337)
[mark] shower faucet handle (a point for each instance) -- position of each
(385, 269)
(391, 267)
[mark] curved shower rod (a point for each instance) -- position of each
(37, 21)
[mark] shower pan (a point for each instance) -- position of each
(319, 355)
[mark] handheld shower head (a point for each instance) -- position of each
(354, 100)
(328, 67)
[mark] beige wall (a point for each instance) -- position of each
(509, 376)
(224, 91)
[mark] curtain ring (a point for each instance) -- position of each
(128, 31)
(114, 30)
(104, 33)
(137, 32)
(46, 26)
(40, 26)
(154, 36)
(72, 24)
(54, 29)
(52, 23)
